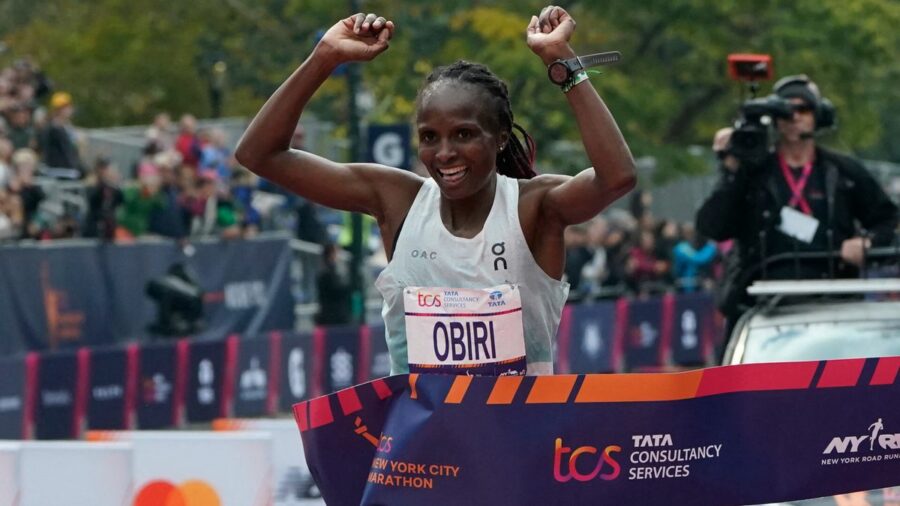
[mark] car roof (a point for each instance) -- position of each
(825, 312)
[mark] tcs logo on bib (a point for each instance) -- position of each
(428, 300)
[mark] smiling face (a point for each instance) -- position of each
(458, 142)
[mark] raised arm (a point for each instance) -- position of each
(265, 146)
(577, 199)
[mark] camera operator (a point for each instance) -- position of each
(799, 198)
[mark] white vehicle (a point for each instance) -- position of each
(819, 320)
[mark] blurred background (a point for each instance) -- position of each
(148, 281)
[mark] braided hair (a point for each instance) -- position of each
(516, 159)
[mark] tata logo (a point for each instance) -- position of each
(590, 457)
(428, 300)
(496, 299)
(851, 444)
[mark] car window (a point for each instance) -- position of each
(823, 340)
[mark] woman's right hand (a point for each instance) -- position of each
(360, 37)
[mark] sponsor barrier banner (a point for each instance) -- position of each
(56, 416)
(291, 480)
(251, 380)
(109, 374)
(12, 397)
(9, 473)
(196, 467)
(295, 368)
(590, 338)
(694, 329)
(158, 375)
(70, 473)
(374, 357)
(648, 331)
(94, 294)
(341, 356)
(746, 434)
(206, 372)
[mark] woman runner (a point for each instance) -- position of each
(476, 250)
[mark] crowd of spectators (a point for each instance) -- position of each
(187, 184)
(630, 252)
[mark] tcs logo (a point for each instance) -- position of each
(189, 493)
(605, 458)
(427, 300)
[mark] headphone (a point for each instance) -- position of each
(825, 113)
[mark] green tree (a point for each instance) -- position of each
(124, 61)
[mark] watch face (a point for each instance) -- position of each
(558, 72)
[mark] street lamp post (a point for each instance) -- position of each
(358, 298)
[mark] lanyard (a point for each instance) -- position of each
(797, 185)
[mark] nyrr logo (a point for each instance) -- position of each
(851, 444)
(599, 462)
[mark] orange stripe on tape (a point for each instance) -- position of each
(504, 390)
(458, 389)
(638, 387)
(551, 389)
(413, 394)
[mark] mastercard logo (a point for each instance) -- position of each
(189, 493)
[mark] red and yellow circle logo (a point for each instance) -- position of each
(189, 493)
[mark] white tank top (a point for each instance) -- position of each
(427, 254)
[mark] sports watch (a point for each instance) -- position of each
(563, 71)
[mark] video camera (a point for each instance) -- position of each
(754, 131)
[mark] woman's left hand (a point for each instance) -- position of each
(549, 34)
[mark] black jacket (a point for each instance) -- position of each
(746, 206)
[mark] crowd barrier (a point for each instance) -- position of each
(89, 293)
(57, 395)
(242, 462)
(65, 472)
(291, 480)
(202, 467)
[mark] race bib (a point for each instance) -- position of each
(465, 331)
